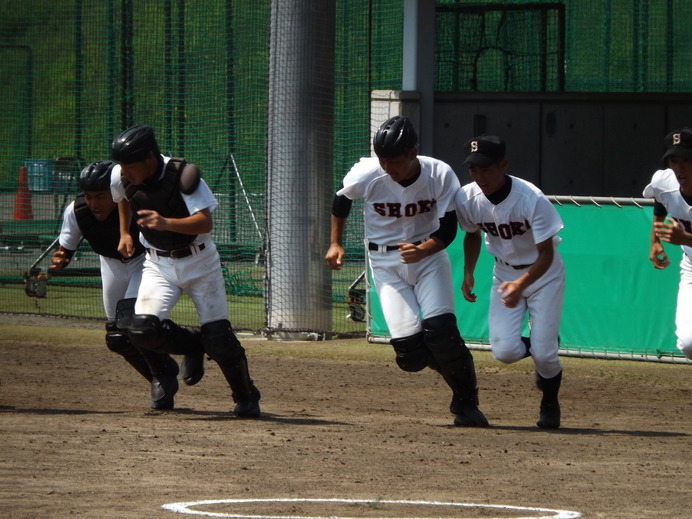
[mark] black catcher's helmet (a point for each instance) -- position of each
(134, 144)
(395, 137)
(96, 176)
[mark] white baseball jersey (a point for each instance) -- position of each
(395, 214)
(119, 280)
(512, 230)
(665, 188)
(514, 227)
(198, 275)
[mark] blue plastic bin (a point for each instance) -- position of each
(39, 174)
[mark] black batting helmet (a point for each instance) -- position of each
(395, 137)
(134, 144)
(96, 176)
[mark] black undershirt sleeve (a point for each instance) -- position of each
(341, 206)
(660, 210)
(448, 228)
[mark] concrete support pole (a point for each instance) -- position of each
(299, 182)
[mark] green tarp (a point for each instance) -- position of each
(616, 303)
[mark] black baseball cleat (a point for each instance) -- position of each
(549, 417)
(192, 368)
(469, 416)
(248, 408)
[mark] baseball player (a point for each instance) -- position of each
(521, 227)
(93, 215)
(671, 188)
(409, 221)
(172, 207)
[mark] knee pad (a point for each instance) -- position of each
(411, 353)
(146, 332)
(220, 343)
(442, 336)
(117, 339)
(124, 311)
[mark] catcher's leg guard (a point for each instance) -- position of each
(164, 383)
(411, 353)
(550, 406)
(149, 332)
(118, 342)
(182, 341)
(455, 363)
(223, 347)
(147, 335)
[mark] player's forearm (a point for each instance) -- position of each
(337, 231)
(198, 223)
(125, 217)
(539, 267)
(432, 246)
(472, 251)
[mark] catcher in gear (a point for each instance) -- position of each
(409, 221)
(671, 189)
(94, 216)
(172, 206)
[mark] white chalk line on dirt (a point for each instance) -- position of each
(187, 508)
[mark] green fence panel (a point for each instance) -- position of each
(616, 303)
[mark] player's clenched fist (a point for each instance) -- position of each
(335, 257)
(151, 220)
(60, 259)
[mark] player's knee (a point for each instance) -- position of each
(220, 343)
(508, 349)
(146, 332)
(442, 337)
(124, 311)
(116, 339)
(411, 353)
(440, 330)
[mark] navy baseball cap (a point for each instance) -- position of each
(484, 150)
(679, 143)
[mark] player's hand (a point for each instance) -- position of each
(467, 289)
(658, 257)
(335, 256)
(411, 253)
(149, 219)
(59, 260)
(126, 246)
(670, 231)
(510, 293)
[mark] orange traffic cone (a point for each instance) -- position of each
(22, 201)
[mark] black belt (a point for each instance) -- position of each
(375, 247)
(515, 267)
(178, 253)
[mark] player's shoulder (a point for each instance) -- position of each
(366, 167)
(435, 167)
(664, 178)
(526, 187)
(469, 192)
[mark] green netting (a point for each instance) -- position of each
(572, 46)
(75, 73)
(616, 304)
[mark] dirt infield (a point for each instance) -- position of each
(78, 439)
